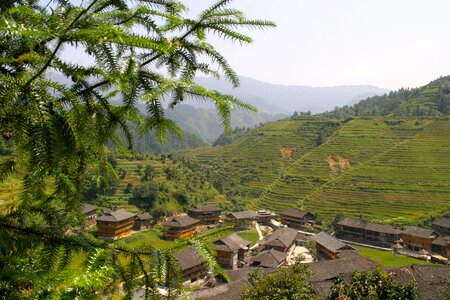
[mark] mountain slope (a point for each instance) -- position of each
(432, 99)
(381, 168)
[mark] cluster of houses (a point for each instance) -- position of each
(239, 258)
(433, 242)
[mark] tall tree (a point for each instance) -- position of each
(142, 50)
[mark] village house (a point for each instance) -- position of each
(296, 218)
(442, 226)
(367, 232)
(90, 212)
(441, 246)
(283, 240)
(192, 265)
(264, 216)
(269, 259)
(232, 251)
(142, 222)
(115, 224)
(206, 214)
(180, 227)
(243, 220)
(328, 246)
(416, 238)
(351, 229)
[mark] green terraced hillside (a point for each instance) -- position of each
(378, 168)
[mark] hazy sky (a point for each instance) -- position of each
(387, 43)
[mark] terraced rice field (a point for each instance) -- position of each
(389, 170)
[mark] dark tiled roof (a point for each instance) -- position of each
(442, 222)
(270, 258)
(188, 258)
(382, 228)
(330, 269)
(205, 208)
(442, 240)
(228, 291)
(87, 208)
(421, 232)
(325, 271)
(431, 281)
(354, 223)
(362, 224)
(283, 237)
(144, 216)
(117, 216)
(231, 243)
(294, 212)
(248, 214)
(181, 222)
(330, 242)
(361, 260)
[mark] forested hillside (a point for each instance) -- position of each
(432, 99)
(390, 169)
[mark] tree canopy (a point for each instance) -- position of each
(57, 113)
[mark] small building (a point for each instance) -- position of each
(270, 259)
(442, 226)
(207, 214)
(351, 229)
(142, 222)
(328, 246)
(180, 227)
(243, 220)
(441, 245)
(90, 212)
(232, 251)
(192, 265)
(283, 240)
(296, 218)
(417, 238)
(382, 235)
(264, 216)
(115, 224)
(367, 232)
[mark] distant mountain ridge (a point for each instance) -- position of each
(286, 99)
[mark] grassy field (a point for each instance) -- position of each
(387, 258)
(152, 237)
(249, 235)
(381, 169)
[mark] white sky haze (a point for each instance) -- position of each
(387, 43)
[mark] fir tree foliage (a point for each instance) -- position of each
(142, 50)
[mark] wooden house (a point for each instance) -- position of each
(328, 246)
(367, 232)
(115, 224)
(269, 259)
(296, 218)
(441, 246)
(180, 227)
(264, 216)
(232, 251)
(243, 220)
(283, 240)
(442, 226)
(417, 238)
(207, 214)
(142, 222)
(192, 265)
(90, 212)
